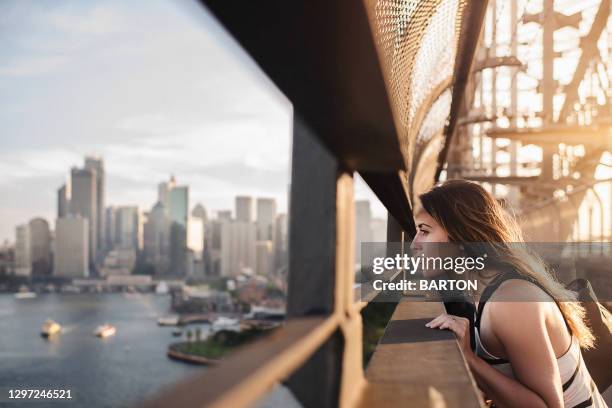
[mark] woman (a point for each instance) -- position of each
(528, 352)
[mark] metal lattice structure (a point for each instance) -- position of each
(566, 117)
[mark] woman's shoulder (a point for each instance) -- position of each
(519, 289)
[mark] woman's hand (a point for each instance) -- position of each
(458, 325)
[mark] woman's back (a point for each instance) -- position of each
(579, 389)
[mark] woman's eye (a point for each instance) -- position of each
(423, 232)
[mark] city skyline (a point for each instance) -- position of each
(150, 112)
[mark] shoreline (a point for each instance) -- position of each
(174, 354)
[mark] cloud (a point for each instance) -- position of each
(152, 123)
(99, 20)
(21, 167)
(152, 89)
(32, 66)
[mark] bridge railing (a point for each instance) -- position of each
(373, 86)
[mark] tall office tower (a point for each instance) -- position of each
(244, 209)
(163, 191)
(224, 215)
(23, 260)
(199, 212)
(363, 226)
(128, 228)
(63, 201)
(156, 234)
(237, 247)
(84, 203)
(195, 238)
(199, 220)
(97, 164)
(40, 247)
(266, 215)
(212, 246)
(264, 256)
(178, 207)
(178, 212)
(379, 230)
(281, 250)
(72, 247)
(110, 220)
(7, 258)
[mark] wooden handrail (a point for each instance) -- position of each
(417, 366)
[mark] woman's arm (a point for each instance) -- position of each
(521, 328)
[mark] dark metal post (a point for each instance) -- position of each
(312, 258)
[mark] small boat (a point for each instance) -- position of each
(50, 328)
(177, 332)
(25, 295)
(168, 321)
(225, 323)
(162, 288)
(106, 330)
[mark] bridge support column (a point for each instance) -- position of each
(321, 270)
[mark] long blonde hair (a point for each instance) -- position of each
(469, 214)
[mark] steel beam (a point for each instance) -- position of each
(553, 135)
(312, 262)
(588, 45)
(468, 40)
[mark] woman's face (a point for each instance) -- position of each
(428, 230)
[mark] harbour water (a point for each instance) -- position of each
(113, 372)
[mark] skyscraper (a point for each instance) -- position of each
(197, 230)
(165, 231)
(63, 201)
(23, 260)
(238, 240)
(212, 246)
(178, 205)
(363, 226)
(199, 212)
(163, 191)
(156, 233)
(128, 228)
(96, 163)
(266, 215)
(84, 203)
(264, 257)
(281, 249)
(225, 215)
(244, 209)
(178, 211)
(72, 247)
(40, 247)
(109, 228)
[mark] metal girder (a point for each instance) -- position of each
(561, 20)
(470, 119)
(588, 44)
(516, 180)
(468, 41)
(494, 62)
(572, 135)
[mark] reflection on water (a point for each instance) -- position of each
(109, 372)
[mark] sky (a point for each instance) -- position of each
(154, 87)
